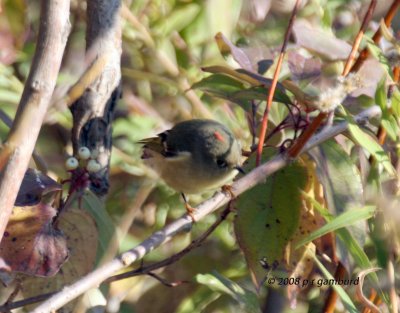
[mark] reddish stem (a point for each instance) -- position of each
(264, 124)
(300, 143)
(358, 38)
(372, 298)
(330, 304)
(377, 36)
(310, 130)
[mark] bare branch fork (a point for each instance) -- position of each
(256, 176)
(16, 152)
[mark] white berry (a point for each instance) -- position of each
(71, 163)
(94, 154)
(84, 153)
(93, 166)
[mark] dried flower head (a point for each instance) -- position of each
(330, 98)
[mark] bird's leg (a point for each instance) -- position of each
(188, 207)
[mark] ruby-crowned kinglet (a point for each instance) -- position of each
(194, 156)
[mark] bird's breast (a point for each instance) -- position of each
(184, 174)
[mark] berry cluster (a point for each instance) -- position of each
(87, 159)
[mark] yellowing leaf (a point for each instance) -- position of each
(300, 260)
(268, 216)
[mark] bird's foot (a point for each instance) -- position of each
(228, 189)
(190, 211)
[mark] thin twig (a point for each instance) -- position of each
(304, 137)
(34, 103)
(142, 270)
(184, 223)
(134, 21)
(176, 257)
(89, 76)
(5, 119)
(264, 124)
(21, 303)
(166, 283)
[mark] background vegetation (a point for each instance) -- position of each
(344, 194)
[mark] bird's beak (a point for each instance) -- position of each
(240, 169)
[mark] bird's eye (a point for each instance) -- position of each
(221, 163)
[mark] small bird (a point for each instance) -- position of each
(194, 156)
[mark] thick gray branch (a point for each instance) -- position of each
(182, 224)
(93, 111)
(16, 153)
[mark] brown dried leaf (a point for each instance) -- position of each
(255, 10)
(226, 48)
(31, 243)
(255, 58)
(82, 240)
(321, 42)
(302, 67)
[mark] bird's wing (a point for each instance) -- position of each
(177, 157)
(159, 145)
(154, 144)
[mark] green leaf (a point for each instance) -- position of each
(343, 189)
(228, 88)
(396, 103)
(378, 54)
(339, 176)
(388, 122)
(368, 143)
(219, 85)
(218, 283)
(356, 251)
(92, 204)
(380, 95)
(9, 96)
(198, 301)
(245, 76)
(16, 11)
(268, 215)
(340, 291)
(179, 18)
(346, 219)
